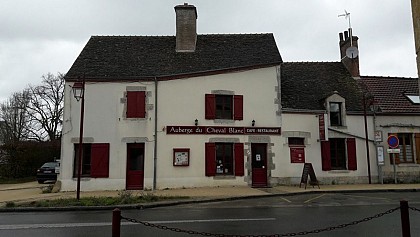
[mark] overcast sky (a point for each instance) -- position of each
(41, 36)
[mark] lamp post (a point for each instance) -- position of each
(79, 94)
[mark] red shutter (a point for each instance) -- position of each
(210, 106)
(239, 159)
(99, 160)
(210, 159)
(326, 155)
(351, 154)
(238, 104)
(136, 104)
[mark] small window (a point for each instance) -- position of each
(224, 107)
(415, 99)
(296, 141)
(335, 114)
(224, 158)
(406, 148)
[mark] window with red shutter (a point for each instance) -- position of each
(224, 107)
(210, 157)
(351, 154)
(239, 159)
(100, 160)
(136, 104)
(325, 155)
(210, 106)
(238, 113)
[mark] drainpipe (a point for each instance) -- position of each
(366, 138)
(155, 136)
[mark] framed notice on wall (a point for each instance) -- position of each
(181, 157)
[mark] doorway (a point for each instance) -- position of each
(259, 164)
(135, 166)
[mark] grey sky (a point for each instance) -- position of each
(41, 36)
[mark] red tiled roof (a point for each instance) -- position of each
(390, 93)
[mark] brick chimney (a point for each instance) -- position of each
(352, 64)
(186, 28)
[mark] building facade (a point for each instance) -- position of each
(197, 110)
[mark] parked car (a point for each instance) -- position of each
(47, 172)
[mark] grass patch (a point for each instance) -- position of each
(4, 180)
(124, 197)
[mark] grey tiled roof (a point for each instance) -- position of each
(305, 86)
(143, 57)
(390, 93)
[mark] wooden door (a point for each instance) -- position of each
(135, 166)
(259, 164)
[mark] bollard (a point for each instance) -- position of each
(116, 222)
(405, 219)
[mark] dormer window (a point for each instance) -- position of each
(335, 114)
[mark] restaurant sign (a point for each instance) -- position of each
(223, 130)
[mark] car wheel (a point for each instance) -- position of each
(41, 181)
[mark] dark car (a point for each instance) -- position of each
(47, 172)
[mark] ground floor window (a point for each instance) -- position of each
(224, 159)
(408, 143)
(339, 154)
(94, 162)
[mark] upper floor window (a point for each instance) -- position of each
(335, 114)
(136, 104)
(224, 107)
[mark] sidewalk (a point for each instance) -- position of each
(32, 191)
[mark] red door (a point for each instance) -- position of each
(135, 166)
(259, 164)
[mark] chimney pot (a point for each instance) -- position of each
(341, 36)
(346, 35)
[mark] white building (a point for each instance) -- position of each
(209, 110)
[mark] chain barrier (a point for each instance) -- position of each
(192, 232)
(414, 209)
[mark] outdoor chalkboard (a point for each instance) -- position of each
(308, 170)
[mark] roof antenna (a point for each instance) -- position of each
(351, 52)
(347, 16)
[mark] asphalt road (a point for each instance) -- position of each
(256, 216)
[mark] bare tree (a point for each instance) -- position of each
(46, 107)
(15, 124)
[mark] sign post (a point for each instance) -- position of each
(393, 143)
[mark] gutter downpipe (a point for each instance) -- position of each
(366, 138)
(155, 140)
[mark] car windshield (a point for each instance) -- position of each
(50, 165)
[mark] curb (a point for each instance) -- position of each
(191, 201)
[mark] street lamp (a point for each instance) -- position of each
(79, 94)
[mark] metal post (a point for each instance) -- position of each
(366, 138)
(405, 219)
(79, 165)
(116, 222)
(394, 168)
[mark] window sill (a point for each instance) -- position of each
(223, 177)
(408, 165)
(339, 171)
(338, 127)
(224, 121)
(85, 178)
